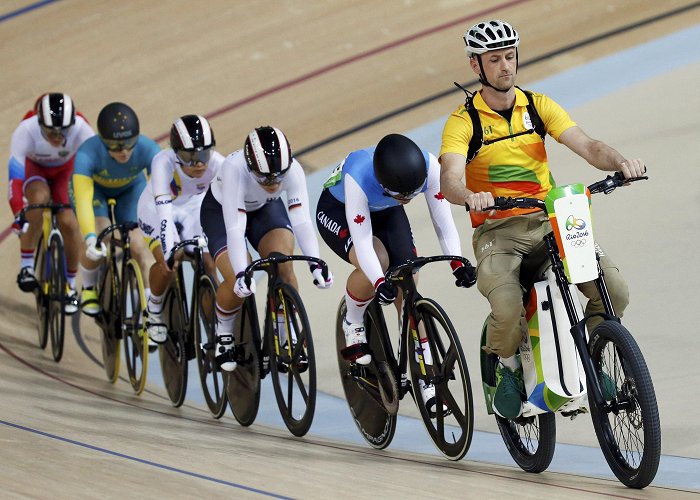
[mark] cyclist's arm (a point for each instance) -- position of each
(83, 192)
(452, 184)
(297, 204)
(235, 217)
(440, 212)
(358, 216)
(162, 175)
(15, 184)
(595, 152)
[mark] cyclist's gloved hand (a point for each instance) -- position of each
(385, 291)
(465, 275)
(319, 280)
(241, 288)
(19, 226)
(92, 252)
(169, 259)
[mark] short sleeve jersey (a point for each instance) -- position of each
(516, 166)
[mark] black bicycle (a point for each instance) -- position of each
(286, 351)
(50, 274)
(190, 324)
(373, 391)
(122, 304)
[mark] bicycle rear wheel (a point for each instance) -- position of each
(109, 321)
(210, 376)
(363, 385)
(173, 358)
(627, 427)
(451, 426)
(133, 329)
(40, 293)
(243, 383)
(57, 292)
(530, 440)
(293, 364)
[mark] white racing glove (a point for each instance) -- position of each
(241, 289)
(92, 252)
(319, 281)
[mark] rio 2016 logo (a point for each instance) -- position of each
(574, 223)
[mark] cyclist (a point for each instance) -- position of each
(515, 166)
(244, 202)
(111, 165)
(42, 150)
(361, 216)
(168, 208)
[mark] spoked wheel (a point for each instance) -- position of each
(41, 293)
(173, 358)
(210, 375)
(450, 418)
(133, 328)
(243, 383)
(57, 292)
(627, 427)
(371, 392)
(292, 360)
(109, 321)
(529, 440)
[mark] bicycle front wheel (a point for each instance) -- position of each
(210, 376)
(627, 426)
(133, 329)
(243, 383)
(109, 321)
(451, 424)
(57, 292)
(41, 293)
(173, 358)
(292, 360)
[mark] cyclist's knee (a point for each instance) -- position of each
(381, 252)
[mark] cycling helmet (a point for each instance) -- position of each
(56, 111)
(267, 154)
(117, 122)
(490, 35)
(192, 139)
(399, 166)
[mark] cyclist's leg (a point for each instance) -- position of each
(36, 190)
(89, 269)
(67, 222)
(126, 210)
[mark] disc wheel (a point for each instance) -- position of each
(451, 423)
(362, 384)
(57, 296)
(210, 375)
(292, 363)
(41, 293)
(173, 358)
(243, 383)
(109, 321)
(133, 328)
(627, 426)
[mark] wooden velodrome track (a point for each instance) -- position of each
(337, 76)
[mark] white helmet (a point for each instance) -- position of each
(490, 35)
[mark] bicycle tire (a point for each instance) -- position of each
(293, 369)
(57, 287)
(529, 440)
(631, 418)
(40, 295)
(109, 321)
(451, 429)
(133, 328)
(376, 425)
(210, 375)
(173, 358)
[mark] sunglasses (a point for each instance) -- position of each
(402, 196)
(268, 180)
(189, 158)
(117, 146)
(54, 133)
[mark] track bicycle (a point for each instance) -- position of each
(50, 273)
(191, 323)
(286, 350)
(604, 373)
(122, 302)
(373, 391)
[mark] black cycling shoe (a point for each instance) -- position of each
(26, 280)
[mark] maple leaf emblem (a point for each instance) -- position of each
(343, 233)
(439, 196)
(359, 219)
